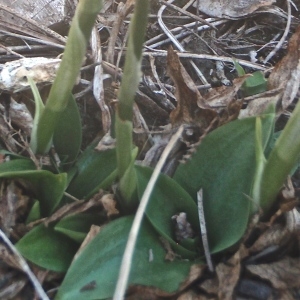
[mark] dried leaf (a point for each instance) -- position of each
(191, 295)
(94, 230)
(75, 208)
(12, 204)
(286, 73)
(191, 107)
(222, 96)
(229, 273)
(231, 8)
(109, 205)
(276, 235)
(283, 274)
(196, 272)
(259, 103)
(210, 286)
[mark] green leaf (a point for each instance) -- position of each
(39, 108)
(48, 187)
(48, 249)
(67, 73)
(100, 261)
(77, 226)
(67, 134)
(281, 161)
(254, 84)
(123, 120)
(34, 213)
(128, 185)
(95, 170)
(224, 166)
(168, 199)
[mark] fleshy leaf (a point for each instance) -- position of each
(224, 166)
(95, 170)
(77, 226)
(100, 261)
(67, 134)
(48, 187)
(48, 249)
(168, 199)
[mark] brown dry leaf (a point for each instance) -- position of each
(109, 205)
(191, 107)
(260, 102)
(276, 235)
(191, 295)
(288, 201)
(210, 286)
(286, 73)
(94, 230)
(222, 96)
(195, 273)
(12, 204)
(75, 208)
(283, 274)
(229, 273)
(231, 8)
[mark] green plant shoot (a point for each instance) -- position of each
(67, 74)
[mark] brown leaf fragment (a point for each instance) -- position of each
(109, 205)
(191, 295)
(170, 255)
(191, 107)
(228, 275)
(283, 274)
(94, 230)
(210, 286)
(231, 9)
(286, 73)
(257, 104)
(276, 235)
(12, 204)
(75, 208)
(196, 272)
(222, 96)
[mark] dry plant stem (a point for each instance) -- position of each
(286, 31)
(163, 53)
(40, 26)
(133, 234)
(25, 268)
(184, 12)
(123, 11)
(8, 50)
(24, 37)
(176, 43)
(98, 88)
(182, 33)
(204, 231)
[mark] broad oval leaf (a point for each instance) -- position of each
(67, 134)
(224, 166)
(48, 187)
(48, 249)
(94, 170)
(77, 226)
(100, 261)
(168, 199)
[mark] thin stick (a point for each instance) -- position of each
(203, 231)
(25, 268)
(163, 53)
(133, 234)
(286, 31)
